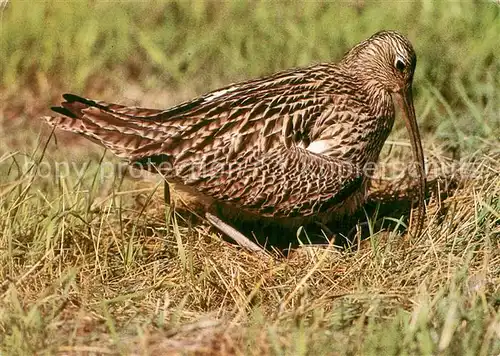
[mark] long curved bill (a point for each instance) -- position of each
(405, 101)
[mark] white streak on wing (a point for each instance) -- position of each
(218, 93)
(321, 146)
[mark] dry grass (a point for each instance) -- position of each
(93, 271)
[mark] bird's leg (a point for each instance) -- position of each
(230, 231)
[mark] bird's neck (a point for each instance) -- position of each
(378, 99)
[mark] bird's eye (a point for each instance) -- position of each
(400, 65)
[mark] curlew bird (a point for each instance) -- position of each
(291, 147)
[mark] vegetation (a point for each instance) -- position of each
(92, 263)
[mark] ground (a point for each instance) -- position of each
(93, 263)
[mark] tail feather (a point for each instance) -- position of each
(63, 111)
(130, 111)
(121, 129)
(120, 144)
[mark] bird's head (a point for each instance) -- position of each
(385, 60)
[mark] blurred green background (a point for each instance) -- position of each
(191, 47)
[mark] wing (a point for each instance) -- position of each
(263, 112)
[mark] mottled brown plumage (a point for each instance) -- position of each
(290, 147)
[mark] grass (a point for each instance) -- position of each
(90, 263)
